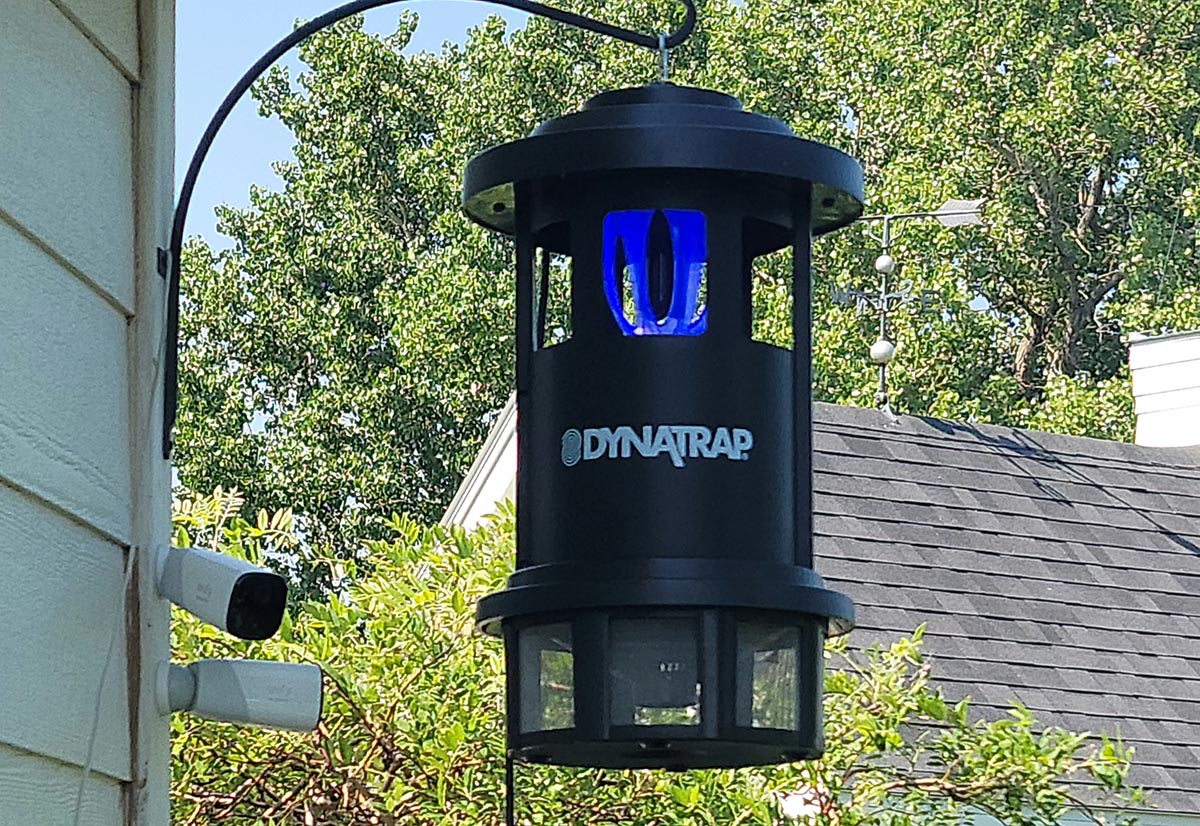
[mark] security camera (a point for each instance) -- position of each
(229, 593)
(246, 692)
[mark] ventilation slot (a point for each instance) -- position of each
(553, 272)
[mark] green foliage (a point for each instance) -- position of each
(1078, 122)
(411, 717)
(412, 731)
(345, 355)
(1085, 407)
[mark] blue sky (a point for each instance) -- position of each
(217, 40)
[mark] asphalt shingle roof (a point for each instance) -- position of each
(1060, 572)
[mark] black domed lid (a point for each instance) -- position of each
(663, 104)
(662, 93)
(667, 127)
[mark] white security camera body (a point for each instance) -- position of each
(223, 591)
(246, 692)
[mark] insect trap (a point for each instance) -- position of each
(664, 612)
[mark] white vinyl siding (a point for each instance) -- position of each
(1166, 389)
(64, 431)
(66, 144)
(35, 791)
(492, 477)
(59, 591)
(111, 25)
(85, 191)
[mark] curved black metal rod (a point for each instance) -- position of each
(169, 260)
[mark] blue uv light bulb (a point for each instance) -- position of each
(661, 255)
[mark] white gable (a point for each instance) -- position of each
(1166, 389)
(493, 475)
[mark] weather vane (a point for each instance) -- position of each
(953, 213)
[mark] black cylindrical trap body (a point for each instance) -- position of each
(664, 611)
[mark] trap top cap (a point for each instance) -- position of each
(664, 127)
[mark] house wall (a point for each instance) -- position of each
(85, 195)
(492, 477)
(1166, 389)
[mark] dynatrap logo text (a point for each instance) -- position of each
(679, 442)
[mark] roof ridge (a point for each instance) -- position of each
(1187, 471)
(1192, 678)
(1181, 486)
(947, 613)
(837, 414)
(995, 576)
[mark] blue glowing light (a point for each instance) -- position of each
(662, 254)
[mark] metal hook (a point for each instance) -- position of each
(169, 260)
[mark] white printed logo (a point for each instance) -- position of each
(572, 442)
(678, 442)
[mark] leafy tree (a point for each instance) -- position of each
(346, 353)
(413, 725)
(1078, 122)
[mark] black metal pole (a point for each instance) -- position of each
(510, 792)
(525, 338)
(169, 265)
(802, 372)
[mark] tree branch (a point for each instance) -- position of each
(1091, 203)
